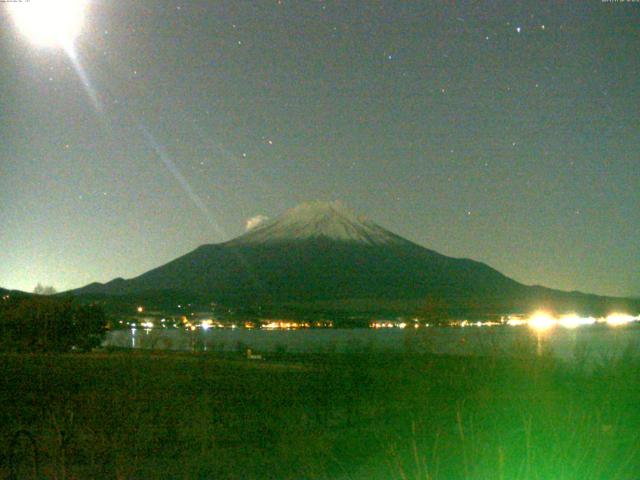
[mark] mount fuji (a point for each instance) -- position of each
(321, 256)
(315, 220)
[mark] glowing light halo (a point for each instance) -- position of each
(618, 319)
(55, 24)
(572, 320)
(49, 23)
(542, 321)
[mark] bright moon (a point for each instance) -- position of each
(49, 23)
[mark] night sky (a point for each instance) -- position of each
(506, 132)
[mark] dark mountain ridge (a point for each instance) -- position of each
(322, 254)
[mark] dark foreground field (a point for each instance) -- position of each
(136, 415)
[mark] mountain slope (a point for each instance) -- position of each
(316, 251)
(323, 253)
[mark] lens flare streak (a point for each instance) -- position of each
(84, 78)
(182, 181)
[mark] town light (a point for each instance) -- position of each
(618, 319)
(572, 321)
(542, 321)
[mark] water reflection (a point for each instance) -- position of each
(600, 339)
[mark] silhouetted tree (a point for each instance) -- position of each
(38, 324)
(44, 290)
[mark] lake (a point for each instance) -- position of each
(594, 343)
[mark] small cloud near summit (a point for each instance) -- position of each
(253, 222)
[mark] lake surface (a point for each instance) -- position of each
(594, 343)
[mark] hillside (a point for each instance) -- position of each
(322, 256)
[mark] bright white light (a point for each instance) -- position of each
(206, 324)
(617, 319)
(573, 321)
(515, 322)
(542, 321)
(49, 23)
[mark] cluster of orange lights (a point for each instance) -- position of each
(285, 325)
(209, 324)
(386, 324)
(540, 321)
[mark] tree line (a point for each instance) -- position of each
(49, 324)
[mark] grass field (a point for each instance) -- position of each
(145, 415)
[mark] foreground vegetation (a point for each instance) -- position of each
(152, 415)
(35, 323)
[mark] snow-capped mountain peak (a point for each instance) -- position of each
(315, 220)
